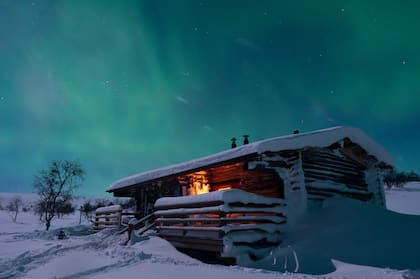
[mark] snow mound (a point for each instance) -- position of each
(349, 231)
(404, 200)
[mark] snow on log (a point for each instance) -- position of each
(107, 209)
(218, 197)
(240, 219)
(107, 217)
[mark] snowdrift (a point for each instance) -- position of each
(349, 231)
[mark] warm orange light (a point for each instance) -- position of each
(199, 183)
(199, 188)
(224, 188)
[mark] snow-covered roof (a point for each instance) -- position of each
(319, 138)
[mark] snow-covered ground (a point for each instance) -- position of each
(346, 239)
(405, 200)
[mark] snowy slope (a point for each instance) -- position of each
(406, 200)
(373, 236)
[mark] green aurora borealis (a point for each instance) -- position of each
(127, 86)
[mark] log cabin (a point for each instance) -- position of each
(218, 203)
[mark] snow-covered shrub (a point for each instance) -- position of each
(14, 206)
(399, 179)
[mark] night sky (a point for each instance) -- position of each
(128, 86)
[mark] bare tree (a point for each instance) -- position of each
(64, 207)
(87, 210)
(14, 206)
(56, 183)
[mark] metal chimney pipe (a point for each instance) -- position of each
(233, 142)
(246, 141)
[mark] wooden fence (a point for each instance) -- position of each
(229, 222)
(107, 217)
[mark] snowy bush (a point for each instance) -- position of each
(87, 210)
(398, 179)
(14, 206)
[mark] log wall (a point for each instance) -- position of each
(237, 176)
(327, 174)
(288, 166)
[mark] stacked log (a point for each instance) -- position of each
(232, 223)
(107, 217)
(328, 174)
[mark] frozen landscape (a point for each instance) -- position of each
(346, 239)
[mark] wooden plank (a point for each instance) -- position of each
(136, 224)
(339, 179)
(332, 168)
(190, 228)
(187, 211)
(128, 213)
(144, 229)
(329, 158)
(224, 181)
(326, 153)
(107, 220)
(339, 165)
(202, 234)
(266, 219)
(189, 204)
(111, 213)
(211, 245)
(180, 212)
(255, 205)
